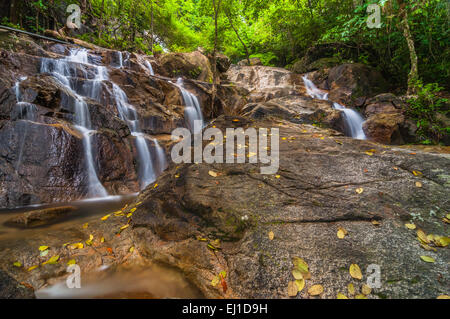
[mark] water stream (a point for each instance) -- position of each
(353, 120)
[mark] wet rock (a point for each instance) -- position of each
(348, 82)
(40, 217)
(253, 62)
(302, 66)
(11, 289)
(384, 128)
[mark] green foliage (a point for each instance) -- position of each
(430, 112)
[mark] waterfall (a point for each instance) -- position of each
(64, 70)
(129, 115)
(192, 110)
(353, 120)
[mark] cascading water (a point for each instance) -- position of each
(149, 67)
(192, 110)
(128, 113)
(64, 70)
(353, 120)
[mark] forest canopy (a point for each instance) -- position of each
(277, 31)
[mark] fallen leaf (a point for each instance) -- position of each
(156, 185)
(366, 290)
(292, 289)
(42, 248)
(359, 190)
(129, 215)
(71, 262)
(102, 240)
(76, 246)
(85, 225)
(109, 249)
(53, 260)
(427, 247)
(297, 274)
(277, 176)
(341, 296)
(133, 210)
(428, 259)
(375, 223)
(315, 290)
(131, 249)
(355, 271)
(341, 233)
(301, 265)
(300, 284)
(444, 241)
(212, 173)
(271, 235)
(17, 264)
(223, 283)
(443, 297)
(369, 153)
(410, 226)
(417, 173)
(105, 217)
(124, 227)
(418, 184)
(351, 289)
(32, 268)
(215, 281)
(422, 236)
(360, 296)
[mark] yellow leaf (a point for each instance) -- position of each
(444, 241)
(132, 210)
(71, 262)
(300, 284)
(297, 274)
(375, 223)
(102, 240)
(360, 296)
(428, 259)
(410, 226)
(156, 185)
(271, 235)
(129, 215)
(32, 268)
(417, 173)
(427, 247)
(124, 227)
(105, 217)
(369, 153)
(17, 264)
(341, 296)
(212, 173)
(52, 260)
(215, 281)
(447, 216)
(292, 289)
(351, 289)
(422, 236)
(443, 297)
(76, 246)
(366, 290)
(315, 290)
(359, 190)
(277, 176)
(131, 249)
(446, 220)
(341, 233)
(418, 184)
(42, 248)
(301, 265)
(85, 225)
(355, 271)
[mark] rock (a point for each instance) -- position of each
(193, 65)
(314, 195)
(320, 64)
(11, 289)
(348, 82)
(223, 62)
(53, 34)
(40, 217)
(253, 62)
(384, 128)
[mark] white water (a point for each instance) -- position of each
(192, 110)
(353, 120)
(127, 112)
(149, 67)
(64, 70)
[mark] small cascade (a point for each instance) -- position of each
(149, 67)
(64, 70)
(192, 110)
(123, 59)
(353, 120)
(128, 114)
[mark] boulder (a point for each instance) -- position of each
(253, 62)
(384, 128)
(350, 82)
(193, 65)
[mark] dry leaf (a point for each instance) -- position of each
(341, 296)
(410, 226)
(297, 274)
(428, 259)
(422, 236)
(360, 296)
(360, 190)
(105, 217)
(355, 271)
(315, 290)
(52, 260)
(42, 248)
(366, 290)
(443, 297)
(271, 235)
(341, 233)
(300, 284)
(351, 289)
(32, 268)
(71, 262)
(375, 223)
(85, 225)
(418, 184)
(292, 289)
(17, 264)
(301, 265)
(212, 173)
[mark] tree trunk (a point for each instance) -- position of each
(14, 12)
(214, 84)
(413, 75)
(152, 28)
(239, 38)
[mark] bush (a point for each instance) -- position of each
(430, 112)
